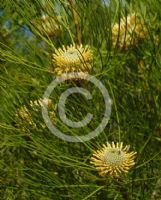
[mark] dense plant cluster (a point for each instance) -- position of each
(117, 42)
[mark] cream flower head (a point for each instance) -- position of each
(72, 59)
(47, 25)
(129, 31)
(24, 114)
(113, 160)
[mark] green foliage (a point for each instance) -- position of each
(35, 164)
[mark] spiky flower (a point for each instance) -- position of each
(113, 160)
(26, 114)
(129, 31)
(47, 25)
(72, 59)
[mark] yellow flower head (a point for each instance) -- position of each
(129, 31)
(113, 160)
(72, 59)
(25, 114)
(47, 25)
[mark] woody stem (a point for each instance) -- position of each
(76, 22)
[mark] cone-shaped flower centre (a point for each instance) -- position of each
(72, 55)
(114, 157)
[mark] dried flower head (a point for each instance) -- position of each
(25, 114)
(47, 25)
(129, 31)
(113, 159)
(72, 59)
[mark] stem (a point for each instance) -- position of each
(117, 115)
(76, 21)
(91, 194)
